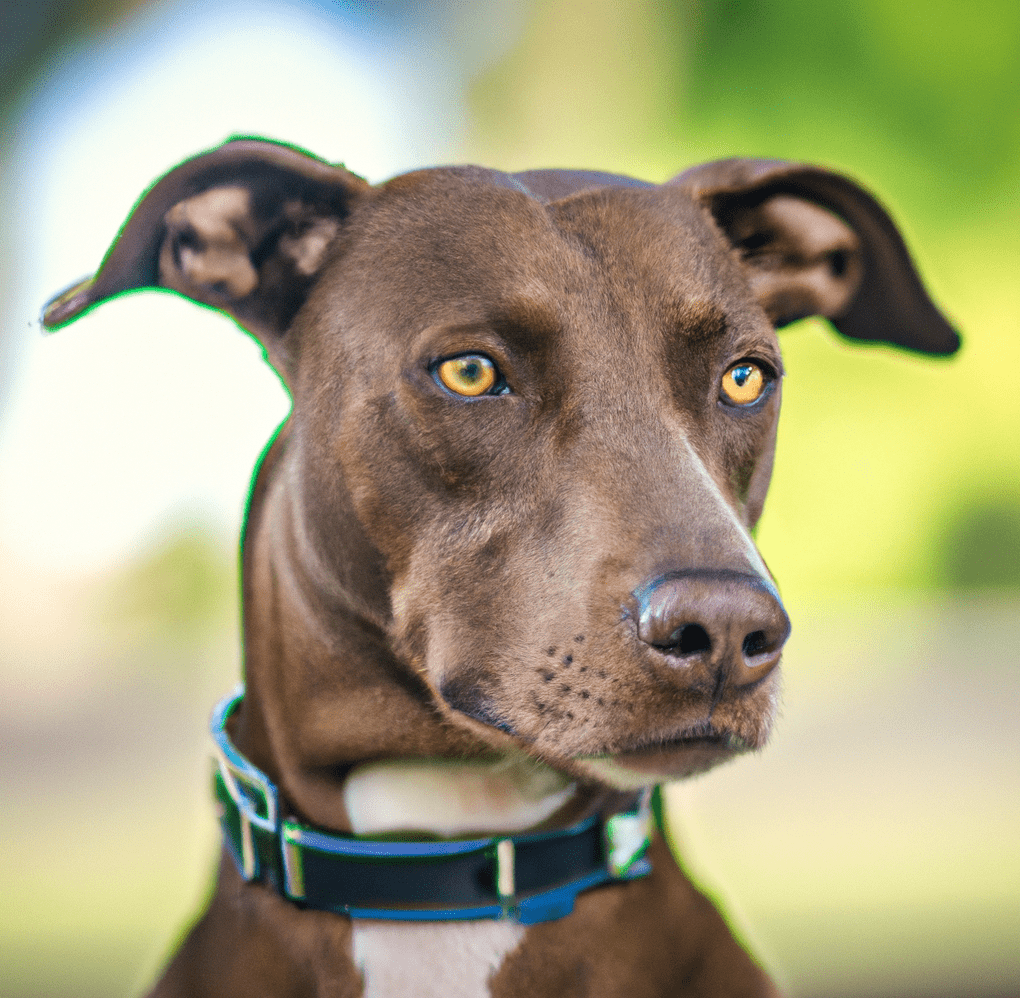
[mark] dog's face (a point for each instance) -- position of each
(534, 411)
(551, 421)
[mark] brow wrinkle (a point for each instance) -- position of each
(530, 320)
(697, 319)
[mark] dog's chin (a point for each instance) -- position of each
(675, 759)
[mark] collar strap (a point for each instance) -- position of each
(529, 878)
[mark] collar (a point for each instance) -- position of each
(529, 878)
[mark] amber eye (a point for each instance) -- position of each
(471, 374)
(743, 383)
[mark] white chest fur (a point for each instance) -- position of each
(426, 959)
(451, 798)
(448, 959)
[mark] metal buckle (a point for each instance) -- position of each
(251, 790)
(627, 837)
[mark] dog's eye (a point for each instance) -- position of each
(470, 374)
(744, 383)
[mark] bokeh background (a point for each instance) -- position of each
(874, 849)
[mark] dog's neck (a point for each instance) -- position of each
(450, 798)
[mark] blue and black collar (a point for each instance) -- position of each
(529, 878)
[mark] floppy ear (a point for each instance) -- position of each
(814, 243)
(244, 228)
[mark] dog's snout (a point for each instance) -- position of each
(731, 621)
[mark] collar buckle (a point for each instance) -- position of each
(253, 794)
(628, 835)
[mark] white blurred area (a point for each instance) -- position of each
(151, 410)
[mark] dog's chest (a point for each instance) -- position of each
(447, 959)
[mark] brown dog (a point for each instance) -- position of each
(497, 571)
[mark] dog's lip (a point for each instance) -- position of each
(678, 755)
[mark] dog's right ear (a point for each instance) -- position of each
(244, 228)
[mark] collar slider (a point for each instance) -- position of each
(506, 877)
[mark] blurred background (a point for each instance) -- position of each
(874, 849)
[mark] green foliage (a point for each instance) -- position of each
(881, 81)
(181, 589)
(981, 547)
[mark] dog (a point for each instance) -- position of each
(497, 570)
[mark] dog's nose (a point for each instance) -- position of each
(733, 622)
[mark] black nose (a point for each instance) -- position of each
(731, 622)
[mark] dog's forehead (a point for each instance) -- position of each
(477, 206)
(442, 238)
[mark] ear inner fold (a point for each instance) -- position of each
(888, 305)
(802, 259)
(244, 228)
(205, 254)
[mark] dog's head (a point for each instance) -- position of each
(534, 418)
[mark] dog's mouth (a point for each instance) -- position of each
(685, 754)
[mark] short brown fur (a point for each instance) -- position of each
(426, 575)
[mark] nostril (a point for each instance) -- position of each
(693, 638)
(756, 643)
(688, 640)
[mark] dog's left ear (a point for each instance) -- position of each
(244, 228)
(815, 243)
